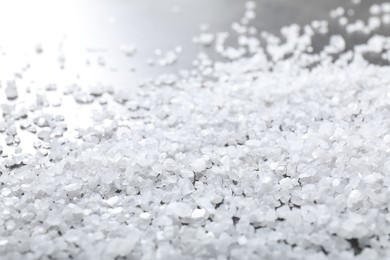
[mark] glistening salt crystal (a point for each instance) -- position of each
(198, 213)
(11, 91)
(112, 201)
(198, 165)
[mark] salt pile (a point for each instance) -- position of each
(278, 153)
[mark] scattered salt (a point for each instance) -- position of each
(294, 141)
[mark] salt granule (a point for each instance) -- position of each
(375, 9)
(112, 201)
(199, 165)
(385, 7)
(11, 91)
(144, 215)
(198, 213)
(386, 19)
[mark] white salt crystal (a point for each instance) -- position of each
(3, 127)
(53, 219)
(179, 209)
(374, 23)
(178, 49)
(97, 90)
(386, 19)
(198, 213)
(385, 7)
(44, 135)
(51, 87)
(11, 91)
(354, 197)
(343, 21)
(372, 178)
(11, 130)
(250, 15)
(145, 215)
(5, 192)
(169, 164)
(252, 142)
(83, 97)
(122, 246)
(206, 204)
(9, 140)
(116, 210)
(198, 165)
(112, 201)
(375, 9)
(337, 12)
(72, 187)
(242, 240)
(72, 236)
(337, 44)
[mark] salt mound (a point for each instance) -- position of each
(283, 157)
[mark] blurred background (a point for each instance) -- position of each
(88, 34)
(120, 42)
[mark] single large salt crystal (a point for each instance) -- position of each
(11, 91)
(375, 9)
(336, 44)
(145, 215)
(354, 197)
(198, 213)
(72, 187)
(199, 165)
(112, 201)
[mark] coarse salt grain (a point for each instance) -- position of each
(198, 165)
(294, 143)
(198, 213)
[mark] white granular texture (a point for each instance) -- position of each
(280, 158)
(295, 166)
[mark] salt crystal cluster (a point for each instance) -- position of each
(277, 152)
